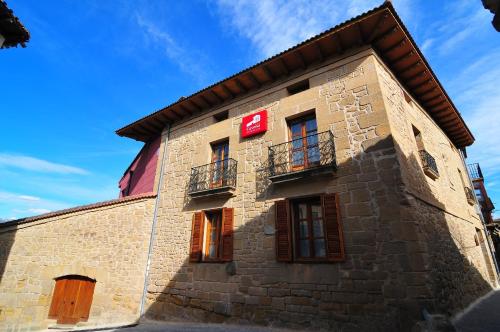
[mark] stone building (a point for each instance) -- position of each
(323, 188)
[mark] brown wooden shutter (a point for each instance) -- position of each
(197, 237)
(227, 234)
(333, 227)
(283, 232)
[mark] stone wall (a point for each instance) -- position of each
(439, 221)
(367, 289)
(108, 244)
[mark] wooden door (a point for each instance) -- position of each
(220, 155)
(304, 150)
(72, 299)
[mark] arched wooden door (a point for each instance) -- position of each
(72, 299)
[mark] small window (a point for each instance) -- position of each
(212, 236)
(298, 87)
(221, 116)
(309, 230)
(418, 138)
(478, 237)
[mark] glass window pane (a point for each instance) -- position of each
(311, 125)
(296, 130)
(313, 155)
(302, 209)
(316, 211)
(304, 248)
(298, 158)
(319, 248)
(303, 229)
(318, 228)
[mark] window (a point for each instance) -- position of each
(221, 116)
(298, 87)
(418, 138)
(304, 143)
(213, 231)
(212, 236)
(220, 155)
(309, 230)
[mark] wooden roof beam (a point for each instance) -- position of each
(434, 88)
(254, 79)
(338, 42)
(226, 90)
(219, 99)
(194, 104)
(206, 101)
(300, 57)
(240, 85)
(399, 44)
(430, 102)
(424, 83)
(386, 34)
(361, 37)
(403, 57)
(284, 66)
(417, 75)
(321, 56)
(376, 29)
(410, 67)
(268, 72)
(188, 111)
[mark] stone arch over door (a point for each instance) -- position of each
(72, 299)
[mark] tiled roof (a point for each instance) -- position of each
(381, 28)
(77, 209)
(11, 28)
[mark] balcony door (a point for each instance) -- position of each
(220, 155)
(304, 150)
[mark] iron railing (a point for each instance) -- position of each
(213, 176)
(305, 153)
(428, 161)
(475, 171)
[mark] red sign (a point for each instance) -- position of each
(254, 124)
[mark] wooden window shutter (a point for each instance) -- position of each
(227, 234)
(197, 237)
(333, 227)
(283, 232)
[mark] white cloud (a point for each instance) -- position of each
(38, 165)
(273, 26)
(38, 211)
(189, 61)
(28, 198)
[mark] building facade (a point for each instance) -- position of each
(323, 188)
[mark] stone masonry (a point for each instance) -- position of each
(108, 244)
(406, 237)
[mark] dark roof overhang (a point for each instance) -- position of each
(381, 28)
(11, 28)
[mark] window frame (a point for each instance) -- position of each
(302, 120)
(308, 201)
(205, 257)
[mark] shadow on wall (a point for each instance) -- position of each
(401, 257)
(7, 237)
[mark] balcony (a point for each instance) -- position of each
(429, 164)
(306, 156)
(470, 195)
(475, 171)
(218, 178)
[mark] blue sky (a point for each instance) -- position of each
(92, 67)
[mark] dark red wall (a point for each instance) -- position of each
(140, 176)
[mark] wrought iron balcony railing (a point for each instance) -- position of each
(429, 164)
(312, 152)
(219, 176)
(470, 195)
(475, 171)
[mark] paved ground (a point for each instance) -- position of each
(483, 316)
(152, 326)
